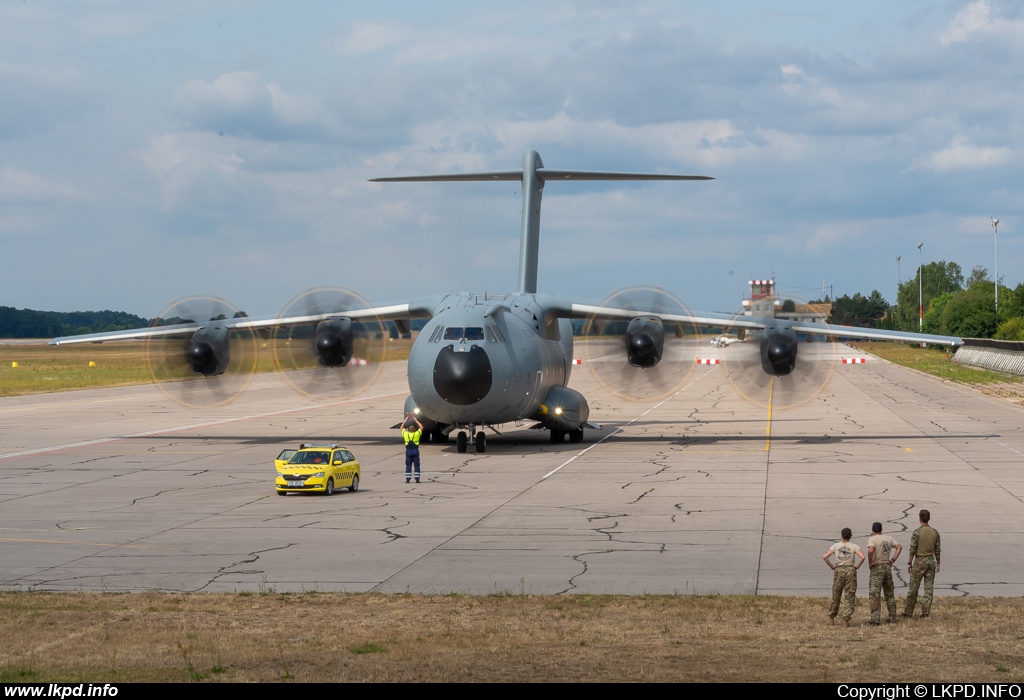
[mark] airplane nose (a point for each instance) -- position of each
(462, 378)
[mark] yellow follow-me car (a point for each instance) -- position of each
(318, 468)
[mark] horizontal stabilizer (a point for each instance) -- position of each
(513, 175)
(543, 173)
(552, 174)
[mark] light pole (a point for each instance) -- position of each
(920, 290)
(995, 226)
(899, 283)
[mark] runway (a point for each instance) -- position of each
(698, 491)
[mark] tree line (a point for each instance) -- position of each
(27, 323)
(952, 305)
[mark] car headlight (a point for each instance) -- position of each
(280, 474)
(319, 475)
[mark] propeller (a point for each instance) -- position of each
(644, 358)
(209, 366)
(776, 367)
(333, 356)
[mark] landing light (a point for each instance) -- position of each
(416, 411)
(558, 411)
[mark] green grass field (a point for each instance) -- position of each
(935, 362)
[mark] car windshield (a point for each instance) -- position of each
(310, 457)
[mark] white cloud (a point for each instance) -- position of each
(367, 37)
(978, 19)
(194, 169)
(961, 155)
(244, 102)
(21, 186)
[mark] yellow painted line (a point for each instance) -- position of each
(768, 428)
(89, 544)
(908, 449)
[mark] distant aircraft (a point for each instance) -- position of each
(482, 360)
(721, 341)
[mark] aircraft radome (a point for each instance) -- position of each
(483, 360)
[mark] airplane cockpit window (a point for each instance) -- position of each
(453, 333)
(474, 334)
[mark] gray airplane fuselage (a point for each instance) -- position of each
(488, 359)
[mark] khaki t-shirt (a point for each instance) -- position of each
(883, 546)
(846, 553)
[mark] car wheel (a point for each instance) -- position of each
(460, 441)
(481, 442)
(330, 487)
(282, 493)
(355, 484)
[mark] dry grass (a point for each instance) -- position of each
(367, 637)
(43, 369)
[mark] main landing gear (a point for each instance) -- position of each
(575, 436)
(464, 441)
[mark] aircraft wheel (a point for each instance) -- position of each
(329, 491)
(557, 436)
(355, 484)
(425, 437)
(460, 441)
(481, 442)
(576, 435)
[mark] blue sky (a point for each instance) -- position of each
(149, 152)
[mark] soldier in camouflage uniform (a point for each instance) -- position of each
(925, 554)
(881, 559)
(845, 578)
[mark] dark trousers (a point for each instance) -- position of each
(412, 457)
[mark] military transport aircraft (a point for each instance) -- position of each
(482, 360)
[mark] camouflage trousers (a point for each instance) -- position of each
(881, 582)
(845, 580)
(923, 568)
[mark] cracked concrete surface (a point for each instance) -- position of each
(122, 490)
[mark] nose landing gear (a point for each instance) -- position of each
(463, 440)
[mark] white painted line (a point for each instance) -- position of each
(621, 428)
(194, 426)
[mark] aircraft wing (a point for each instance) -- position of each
(392, 312)
(567, 308)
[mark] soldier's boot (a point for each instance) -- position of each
(846, 623)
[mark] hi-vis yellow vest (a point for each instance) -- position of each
(412, 437)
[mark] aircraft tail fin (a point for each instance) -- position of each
(533, 176)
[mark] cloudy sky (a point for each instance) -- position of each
(150, 151)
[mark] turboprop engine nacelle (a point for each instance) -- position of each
(645, 341)
(334, 342)
(209, 351)
(778, 350)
